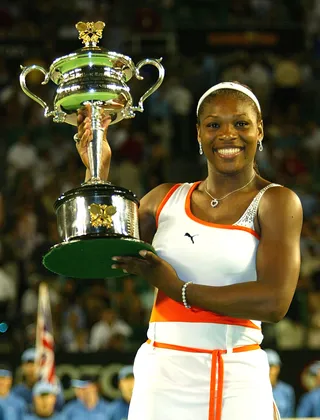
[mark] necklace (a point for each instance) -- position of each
(215, 201)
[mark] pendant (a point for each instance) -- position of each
(214, 202)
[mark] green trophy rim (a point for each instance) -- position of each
(91, 258)
(73, 102)
(90, 57)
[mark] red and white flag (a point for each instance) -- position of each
(44, 340)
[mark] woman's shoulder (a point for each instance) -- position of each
(277, 201)
(274, 191)
(149, 208)
(153, 198)
(161, 190)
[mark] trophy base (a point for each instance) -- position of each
(91, 258)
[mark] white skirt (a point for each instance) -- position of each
(171, 385)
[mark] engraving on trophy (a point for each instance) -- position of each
(90, 32)
(100, 215)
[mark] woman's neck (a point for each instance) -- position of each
(219, 184)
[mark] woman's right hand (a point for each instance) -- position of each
(85, 137)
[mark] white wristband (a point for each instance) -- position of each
(184, 297)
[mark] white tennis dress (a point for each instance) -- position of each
(198, 365)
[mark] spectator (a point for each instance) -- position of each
(44, 396)
(80, 343)
(312, 141)
(129, 303)
(29, 301)
(292, 166)
(287, 78)
(12, 406)
(89, 405)
(155, 168)
(236, 70)
(261, 8)
(22, 156)
(119, 408)
(8, 292)
(69, 331)
(309, 405)
(29, 377)
(283, 393)
(24, 389)
(305, 190)
(159, 118)
(180, 100)
(259, 79)
(103, 330)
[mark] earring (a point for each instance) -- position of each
(260, 145)
(200, 148)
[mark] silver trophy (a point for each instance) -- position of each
(97, 220)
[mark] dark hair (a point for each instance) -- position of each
(233, 94)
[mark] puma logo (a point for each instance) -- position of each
(190, 236)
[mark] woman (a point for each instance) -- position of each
(228, 258)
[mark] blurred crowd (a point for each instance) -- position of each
(40, 160)
(34, 399)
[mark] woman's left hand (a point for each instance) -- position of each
(155, 270)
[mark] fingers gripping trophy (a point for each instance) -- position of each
(97, 220)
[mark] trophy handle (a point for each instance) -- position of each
(152, 62)
(58, 116)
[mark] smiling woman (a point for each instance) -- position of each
(228, 258)
(240, 93)
(245, 118)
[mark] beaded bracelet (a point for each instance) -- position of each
(184, 297)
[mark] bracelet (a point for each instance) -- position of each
(184, 297)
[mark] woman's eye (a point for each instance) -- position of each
(213, 125)
(242, 124)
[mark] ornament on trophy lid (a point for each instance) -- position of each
(90, 32)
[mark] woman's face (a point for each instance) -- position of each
(229, 131)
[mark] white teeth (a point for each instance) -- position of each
(229, 151)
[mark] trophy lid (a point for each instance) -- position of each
(91, 54)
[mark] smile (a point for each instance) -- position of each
(229, 152)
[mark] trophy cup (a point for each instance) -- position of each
(97, 220)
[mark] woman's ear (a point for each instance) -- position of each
(198, 133)
(260, 130)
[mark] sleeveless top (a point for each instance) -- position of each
(208, 254)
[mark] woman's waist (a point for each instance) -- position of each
(166, 309)
(203, 335)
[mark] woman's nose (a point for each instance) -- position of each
(227, 132)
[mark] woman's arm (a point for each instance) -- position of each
(278, 265)
(147, 211)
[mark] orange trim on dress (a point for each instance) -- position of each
(164, 201)
(168, 310)
(216, 379)
(216, 225)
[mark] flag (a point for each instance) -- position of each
(45, 360)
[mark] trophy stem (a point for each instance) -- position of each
(96, 144)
